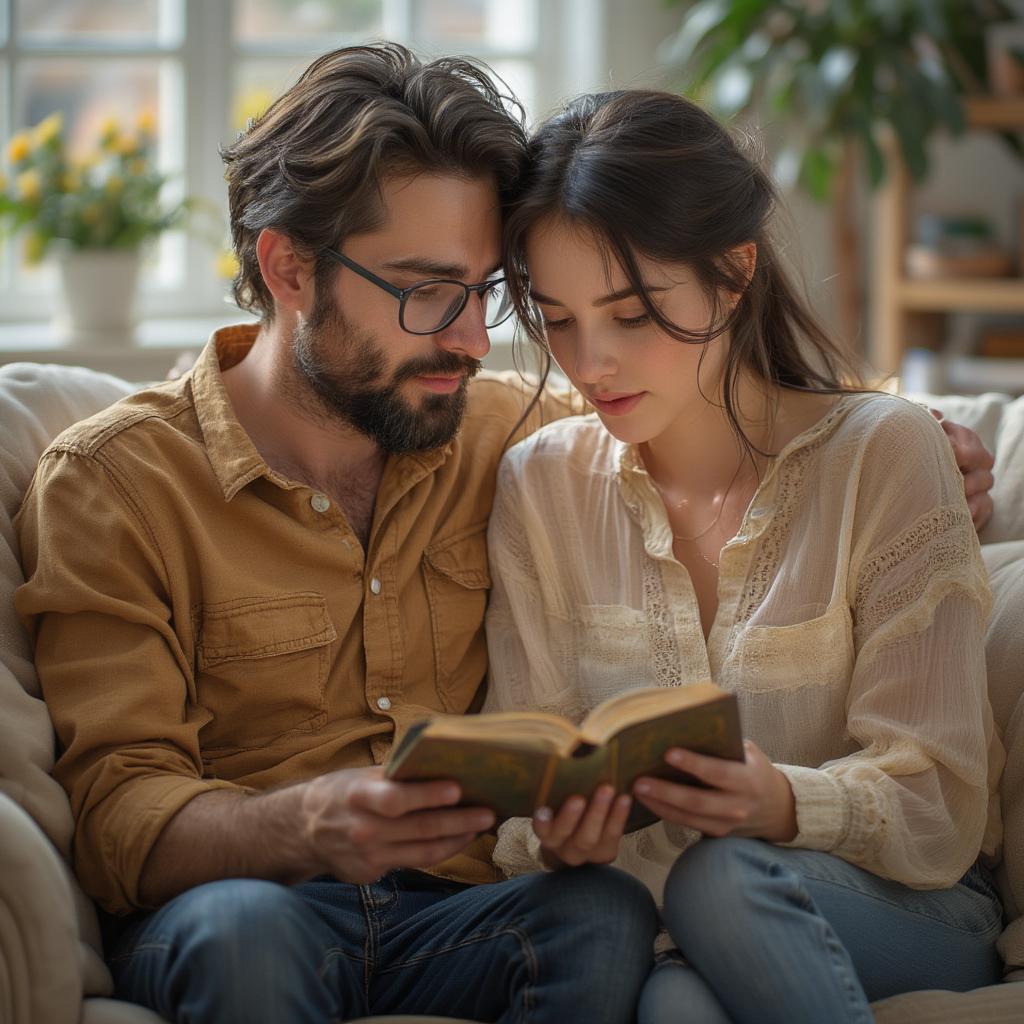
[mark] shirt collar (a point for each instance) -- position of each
(233, 456)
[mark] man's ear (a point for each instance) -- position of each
(287, 275)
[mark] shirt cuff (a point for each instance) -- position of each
(822, 808)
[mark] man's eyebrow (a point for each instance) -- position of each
(605, 300)
(434, 268)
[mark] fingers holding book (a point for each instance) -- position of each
(749, 798)
(582, 832)
(361, 825)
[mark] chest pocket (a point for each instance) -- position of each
(457, 580)
(261, 668)
(816, 653)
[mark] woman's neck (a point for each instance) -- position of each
(699, 455)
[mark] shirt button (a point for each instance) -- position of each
(320, 502)
(384, 703)
(375, 585)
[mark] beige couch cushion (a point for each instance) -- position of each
(37, 402)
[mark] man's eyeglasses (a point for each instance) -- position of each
(430, 306)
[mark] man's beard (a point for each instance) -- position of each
(344, 367)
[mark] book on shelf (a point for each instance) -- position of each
(517, 761)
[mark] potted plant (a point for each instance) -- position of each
(845, 77)
(94, 213)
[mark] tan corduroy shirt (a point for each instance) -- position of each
(201, 622)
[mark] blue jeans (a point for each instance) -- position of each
(770, 934)
(548, 948)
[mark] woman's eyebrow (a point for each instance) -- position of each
(622, 293)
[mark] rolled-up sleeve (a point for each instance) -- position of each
(115, 678)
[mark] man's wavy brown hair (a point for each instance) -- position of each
(313, 165)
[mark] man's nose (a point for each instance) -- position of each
(467, 333)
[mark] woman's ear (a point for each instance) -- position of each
(287, 275)
(745, 260)
(742, 261)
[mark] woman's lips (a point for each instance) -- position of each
(616, 404)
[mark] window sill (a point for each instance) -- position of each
(158, 346)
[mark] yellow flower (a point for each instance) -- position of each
(35, 246)
(250, 106)
(49, 129)
(146, 123)
(227, 264)
(29, 186)
(71, 181)
(91, 213)
(124, 145)
(19, 147)
(115, 183)
(110, 132)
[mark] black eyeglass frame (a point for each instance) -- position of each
(403, 293)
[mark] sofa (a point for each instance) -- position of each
(51, 969)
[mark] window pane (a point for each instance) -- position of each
(520, 77)
(491, 24)
(265, 22)
(5, 21)
(257, 84)
(89, 21)
(87, 93)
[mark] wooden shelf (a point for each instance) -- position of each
(996, 112)
(901, 304)
(969, 295)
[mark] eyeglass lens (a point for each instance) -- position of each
(433, 306)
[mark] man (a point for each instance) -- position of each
(244, 584)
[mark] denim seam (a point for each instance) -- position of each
(907, 910)
(524, 941)
(372, 941)
(146, 947)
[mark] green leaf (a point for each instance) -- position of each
(817, 173)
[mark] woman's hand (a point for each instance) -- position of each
(752, 798)
(580, 833)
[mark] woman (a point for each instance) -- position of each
(734, 510)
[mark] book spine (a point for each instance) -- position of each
(546, 779)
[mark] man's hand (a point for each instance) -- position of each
(975, 462)
(360, 825)
(582, 833)
(752, 798)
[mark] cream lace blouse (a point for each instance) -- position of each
(851, 625)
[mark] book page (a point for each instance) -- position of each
(635, 706)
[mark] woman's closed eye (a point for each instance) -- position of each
(634, 321)
(557, 325)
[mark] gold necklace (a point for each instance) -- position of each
(714, 522)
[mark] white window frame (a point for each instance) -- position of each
(570, 48)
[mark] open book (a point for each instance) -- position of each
(517, 761)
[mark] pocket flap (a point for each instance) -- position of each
(462, 559)
(262, 627)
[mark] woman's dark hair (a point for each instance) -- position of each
(312, 166)
(651, 174)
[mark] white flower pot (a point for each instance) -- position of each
(99, 288)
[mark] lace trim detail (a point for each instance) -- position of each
(769, 554)
(659, 628)
(945, 539)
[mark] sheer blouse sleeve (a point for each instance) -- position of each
(911, 804)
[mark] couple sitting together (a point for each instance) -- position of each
(245, 583)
